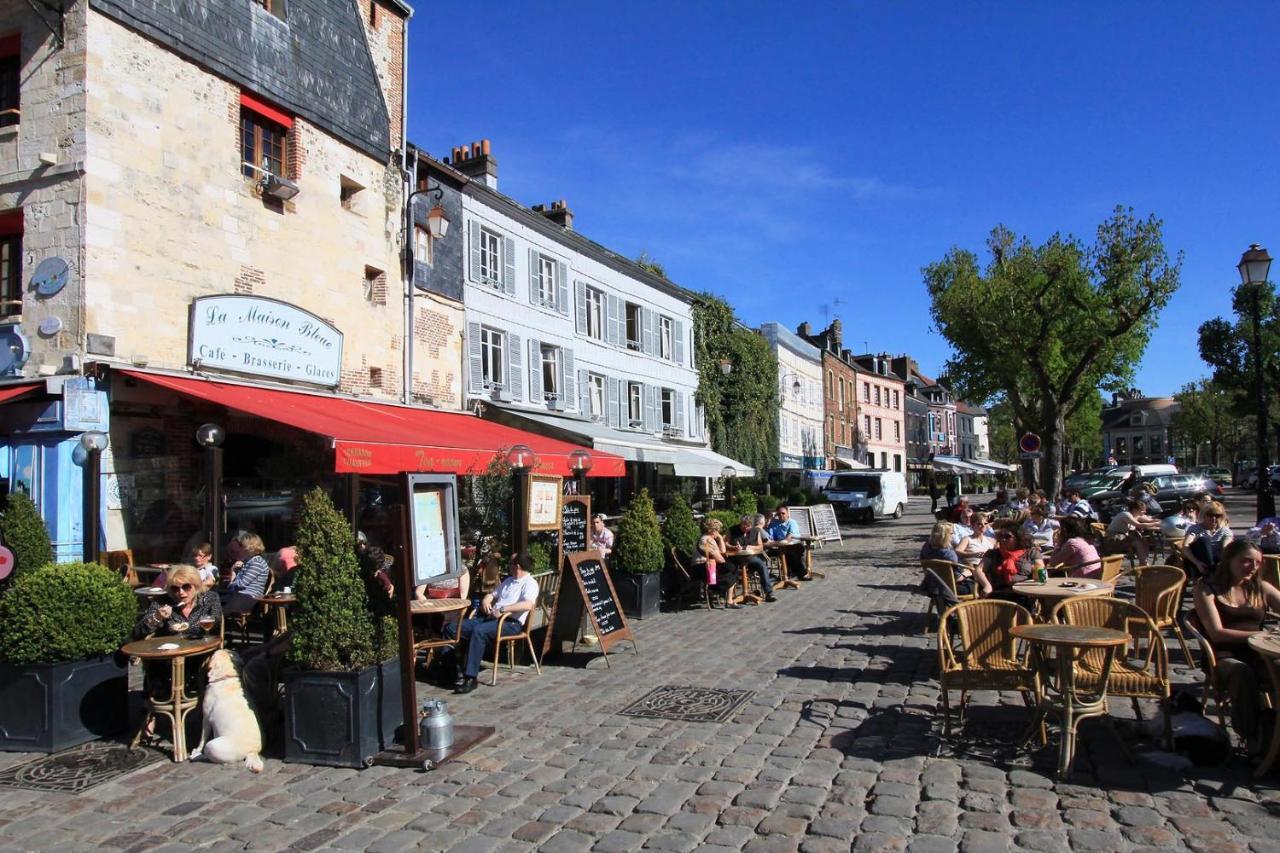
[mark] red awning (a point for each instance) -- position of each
(377, 438)
(12, 392)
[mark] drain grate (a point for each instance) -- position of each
(78, 769)
(688, 704)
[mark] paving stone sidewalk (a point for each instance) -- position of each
(837, 750)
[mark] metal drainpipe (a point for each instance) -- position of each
(407, 178)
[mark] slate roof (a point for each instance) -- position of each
(315, 64)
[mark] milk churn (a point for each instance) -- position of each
(436, 727)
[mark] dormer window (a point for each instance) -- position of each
(264, 139)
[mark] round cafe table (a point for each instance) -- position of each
(442, 606)
(1267, 645)
(1058, 694)
(178, 703)
(1054, 590)
(740, 556)
(278, 602)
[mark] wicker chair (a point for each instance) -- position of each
(1133, 674)
(984, 654)
(1271, 569)
(690, 582)
(1112, 566)
(241, 620)
(944, 572)
(511, 639)
(1209, 668)
(1158, 591)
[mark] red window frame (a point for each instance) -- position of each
(11, 263)
(10, 79)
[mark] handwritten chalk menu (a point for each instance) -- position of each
(800, 514)
(825, 526)
(590, 594)
(575, 524)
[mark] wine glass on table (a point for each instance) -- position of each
(206, 623)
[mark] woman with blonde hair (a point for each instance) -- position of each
(712, 549)
(1230, 606)
(246, 580)
(1203, 546)
(181, 611)
(938, 547)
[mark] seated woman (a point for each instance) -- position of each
(181, 611)
(979, 541)
(711, 549)
(1040, 527)
(938, 547)
(1013, 560)
(1076, 553)
(1125, 532)
(246, 580)
(1202, 549)
(1174, 527)
(1230, 605)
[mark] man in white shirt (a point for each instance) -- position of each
(601, 536)
(516, 595)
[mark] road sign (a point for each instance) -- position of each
(1025, 455)
(1029, 443)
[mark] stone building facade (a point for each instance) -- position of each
(839, 397)
(881, 404)
(801, 416)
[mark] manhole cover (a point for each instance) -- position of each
(78, 769)
(688, 704)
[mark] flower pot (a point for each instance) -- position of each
(639, 594)
(47, 707)
(341, 719)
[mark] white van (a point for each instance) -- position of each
(867, 495)
(1145, 471)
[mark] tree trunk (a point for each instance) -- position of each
(1052, 437)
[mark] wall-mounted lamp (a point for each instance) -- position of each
(726, 366)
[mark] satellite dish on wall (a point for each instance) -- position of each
(14, 350)
(50, 276)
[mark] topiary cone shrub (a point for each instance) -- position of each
(680, 528)
(744, 503)
(25, 535)
(65, 612)
(331, 626)
(638, 547)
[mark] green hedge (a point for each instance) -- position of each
(727, 518)
(638, 546)
(25, 535)
(65, 612)
(767, 503)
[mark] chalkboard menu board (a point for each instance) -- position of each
(800, 514)
(825, 526)
(575, 524)
(586, 590)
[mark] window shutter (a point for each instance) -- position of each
(646, 331)
(515, 375)
(562, 288)
(533, 278)
(677, 335)
(679, 407)
(475, 357)
(567, 392)
(613, 326)
(535, 370)
(580, 306)
(611, 406)
(584, 394)
(475, 251)
(509, 266)
(652, 418)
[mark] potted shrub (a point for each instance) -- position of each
(679, 531)
(25, 535)
(342, 680)
(638, 559)
(61, 681)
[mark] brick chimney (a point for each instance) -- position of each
(835, 334)
(558, 212)
(476, 162)
(803, 330)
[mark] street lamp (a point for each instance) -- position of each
(522, 460)
(726, 366)
(94, 443)
(211, 437)
(728, 473)
(580, 463)
(1254, 266)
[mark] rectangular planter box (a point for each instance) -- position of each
(639, 595)
(48, 707)
(341, 719)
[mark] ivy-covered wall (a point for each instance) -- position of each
(742, 407)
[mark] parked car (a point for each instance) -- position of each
(1171, 491)
(1251, 479)
(1217, 473)
(867, 495)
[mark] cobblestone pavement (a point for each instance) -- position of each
(837, 750)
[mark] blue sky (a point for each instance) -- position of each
(786, 155)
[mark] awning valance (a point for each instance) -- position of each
(703, 462)
(956, 465)
(382, 438)
(12, 392)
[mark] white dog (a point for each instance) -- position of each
(227, 712)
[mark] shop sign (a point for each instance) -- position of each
(84, 407)
(258, 336)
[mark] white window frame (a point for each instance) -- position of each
(879, 430)
(550, 356)
(490, 271)
(666, 337)
(547, 281)
(668, 398)
(877, 395)
(596, 314)
(595, 395)
(493, 348)
(897, 431)
(423, 246)
(635, 403)
(636, 344)
(866, 392)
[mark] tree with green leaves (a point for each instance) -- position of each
(1208, 413)
(638, 547)
(650, 265)
(1047, 325)
(741, 406)
(25, 535)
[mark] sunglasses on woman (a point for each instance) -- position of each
(185, 587)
